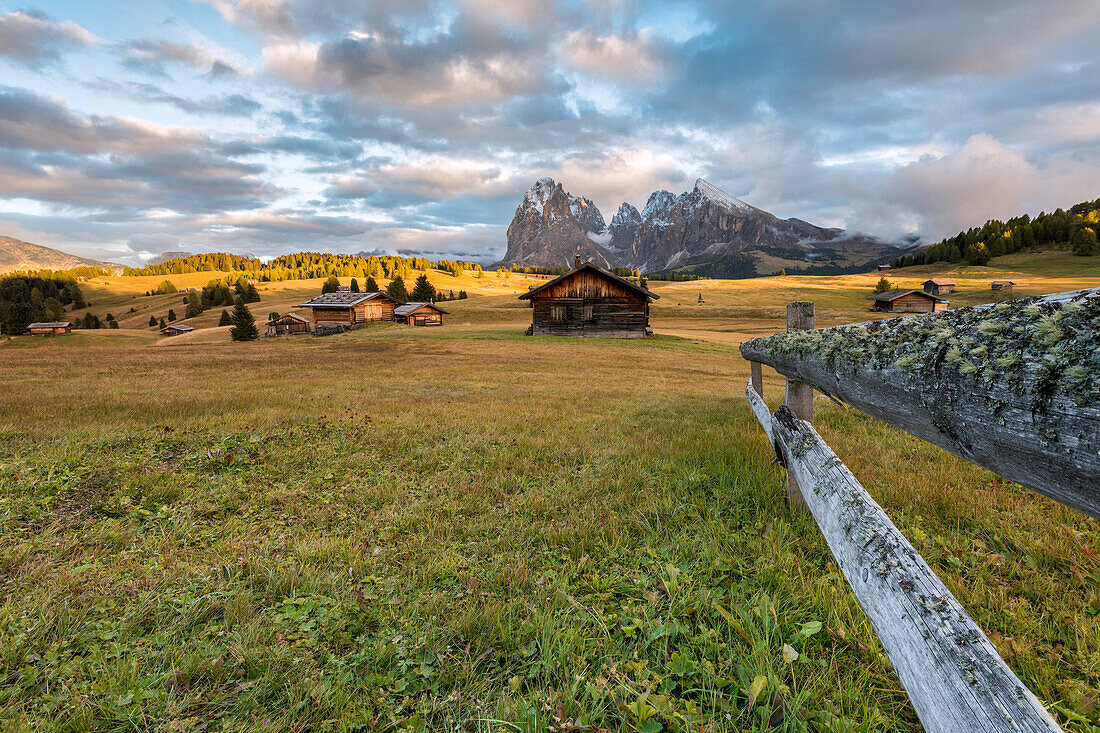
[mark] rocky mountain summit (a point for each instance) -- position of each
(704, 231)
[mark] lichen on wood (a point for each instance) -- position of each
(1014, 387)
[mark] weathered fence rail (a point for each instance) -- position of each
(1014, 388)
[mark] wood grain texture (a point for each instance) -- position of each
(800, 396)
(1014, 388)
(951, 671)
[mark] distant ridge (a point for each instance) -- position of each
(15, 255)
(704, 231)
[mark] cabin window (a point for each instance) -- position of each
(557, 313)
(588, 313)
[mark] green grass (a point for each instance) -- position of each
(462, 528)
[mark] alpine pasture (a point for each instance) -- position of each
(464, 528)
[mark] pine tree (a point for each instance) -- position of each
(18, 317)
(883, 285)
(423, 291)
(354, 285)
(273, 316)
(251, 295)
(244, 325)
(152, 321)
(171, 315)
(462, 295)
(225, 320)
(54, 309)
(194, 307)
(396, 290)
(372, 285)
(331, 285)
(1084, 242)
(162, 324)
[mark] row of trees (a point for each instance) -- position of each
(1075, 229)
(26, 299)
(305, 266)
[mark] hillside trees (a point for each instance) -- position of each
(44, 298)
(226, 319)
(977, 245)
(423, 291)
(1084, 242)
(244, 324)
(194, 307)
(372, 284)
(354, 285)
(152, 321)
(331, 285)
(166, 287)
(171, 315)
(396, 289)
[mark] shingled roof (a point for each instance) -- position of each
(410, 308)
(595, 268)
(50, 324)
(341, 299)
(892, 295)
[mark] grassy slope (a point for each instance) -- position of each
(401, 527)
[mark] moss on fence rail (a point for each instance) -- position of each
(1034, 347)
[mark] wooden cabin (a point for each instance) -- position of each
(291, 323)
(176, 329)
(343, 288)
(1002, 285)
(350, 310)
(589, 301)
(884, 268)
(50, 328)
(900, 300)
(419, 314)
(938, 286)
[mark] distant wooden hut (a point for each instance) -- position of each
(350, 310)
(938, 286)
(589, 301)
(883, 268)
(176, 329)
(50, 328)
(900, 300)
(419, 314)
(343, 288)
(291, 323)
(1002, 285)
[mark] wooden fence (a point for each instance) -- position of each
(952, 673)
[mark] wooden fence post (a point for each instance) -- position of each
(800, 396)
(757, 377)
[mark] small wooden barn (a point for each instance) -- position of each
(900, 300)
(419, 314)
(50, 328)
(350, 310)
(1002, 285)
(938, 286)
(289, 324)
(589, 301)
(343, 288)
(884, 268)
(176, 329)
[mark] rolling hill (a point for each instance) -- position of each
(15, 254)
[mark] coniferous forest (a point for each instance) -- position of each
(1076, 229)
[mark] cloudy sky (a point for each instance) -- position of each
(267, 126)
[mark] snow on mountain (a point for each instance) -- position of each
(705, 230)
(658, 208)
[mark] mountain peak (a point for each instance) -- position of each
(712, 193)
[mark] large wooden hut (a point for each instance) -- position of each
(938, 286)
(350, 310)
(291, 323)
(419, 314)
(900, 300)
(50, 328)
(1002, 285)
(589, 301)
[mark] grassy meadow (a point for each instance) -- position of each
(462, 528)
